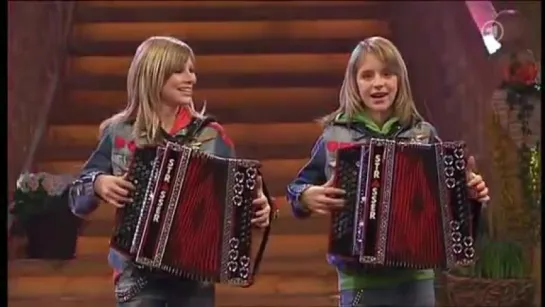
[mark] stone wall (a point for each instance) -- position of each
(37, 33)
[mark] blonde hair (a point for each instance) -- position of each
(155, 60)
(350, 102)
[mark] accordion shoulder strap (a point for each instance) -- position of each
(198, 125)
(266, 233)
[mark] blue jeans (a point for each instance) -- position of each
(135, 288)
(419, 293)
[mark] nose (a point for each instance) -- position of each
(190, 77)
(378, 81)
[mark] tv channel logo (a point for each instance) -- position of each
(493, 28)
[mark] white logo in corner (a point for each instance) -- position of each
(494, 29)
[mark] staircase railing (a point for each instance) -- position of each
(65, 12)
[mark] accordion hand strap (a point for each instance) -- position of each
(266, 233)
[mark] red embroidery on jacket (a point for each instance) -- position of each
(120, 142)
(333, 146)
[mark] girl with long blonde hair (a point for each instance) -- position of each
(159, 107)
(375, 101)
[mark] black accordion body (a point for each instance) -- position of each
(190, 215)
(406, 205)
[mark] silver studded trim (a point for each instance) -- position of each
(172, 204)
(228, 222)
(359, 220)
(387, 181)
(443, 161)
(151, 190)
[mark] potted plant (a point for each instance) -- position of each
(497, 278)
(40, 208)
(503, 272)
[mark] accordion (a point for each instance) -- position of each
(191, 215)
(406, 205)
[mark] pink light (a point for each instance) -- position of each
(481, 11)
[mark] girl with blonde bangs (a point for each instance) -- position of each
(350, 100)
(159, 108)
(375, 101)
(155, 60)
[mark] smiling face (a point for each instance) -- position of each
(178, 88)
(377, 85)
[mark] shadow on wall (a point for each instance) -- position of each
(451, 75)
(36, 35)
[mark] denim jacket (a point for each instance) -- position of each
(112, 156)
(322, 161)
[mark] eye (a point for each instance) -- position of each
(388, 73)
(367, 75)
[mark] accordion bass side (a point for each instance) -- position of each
(406, 205)
(191, 215)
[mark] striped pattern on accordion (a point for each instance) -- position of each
(406, 205)
(191, 215)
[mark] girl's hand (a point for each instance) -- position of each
(262, 216)
(475, 183)
(114, 190)
(322, 199)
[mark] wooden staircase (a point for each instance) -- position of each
(266, 69)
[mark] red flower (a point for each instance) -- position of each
(521, 73)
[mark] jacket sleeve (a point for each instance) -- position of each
(82, 197)
(311, 174)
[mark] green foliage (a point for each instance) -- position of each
(497, 259)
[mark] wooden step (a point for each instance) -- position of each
(213, 4)
(298, 247)
(260, 105)
(50, 152)
(259, 134)
(98, 266)
(257, 141)
(210, 64)
(233, 30)
(279, 10)
(259, 45)
(304, 246)
(219, 81)
(223, 300)
(277, 173)
(101, 222)
(319, 283)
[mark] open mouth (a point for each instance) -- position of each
(186, 91)
(379, 95)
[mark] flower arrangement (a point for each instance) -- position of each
(35, 191)
(522, 82)
(502, 273)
